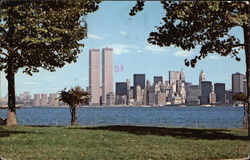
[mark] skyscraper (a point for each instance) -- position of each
(107, 73)
(206, 89)
(245, 87)
(128, 91)
(220, 90)
(158, 79)
(201, 77)
(139, 79)
(193, 94)
(237, 83)
(175, 76)
(94, 76)
(121, 88)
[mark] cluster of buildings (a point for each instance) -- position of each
(174, 91)
(38, 100)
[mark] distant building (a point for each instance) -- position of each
(107, 73)
(193, 94)
(206, 89)
(53, 99)
(146, 93)
(151, 96)
(212, 98)
(24, 99)
(176, 100)
(175, 76)
(37, 100)
(237, 83)
(121, 100)
(245, 87)
(121, 88)
(160, 98)
(94, 76)
(110, 97)
(44, 100)
(220, 90)
(128, 91)
(139, 79)
(229, 97)
(158, 79)
(139, 95)
(201, 77)
(121, 93)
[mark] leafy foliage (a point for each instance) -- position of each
(240, 97)
(42, 34)
(200, 24)
(74, 97)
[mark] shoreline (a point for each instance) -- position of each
(124, 106)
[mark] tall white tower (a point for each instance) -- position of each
(94, 76)
(107, 73)
(201, 77)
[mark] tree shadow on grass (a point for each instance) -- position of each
(8, 133)
(185, 133)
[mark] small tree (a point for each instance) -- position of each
(242, 98)
(74, 98)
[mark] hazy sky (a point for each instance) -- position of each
(111, 26)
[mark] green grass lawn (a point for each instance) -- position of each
(121, 142)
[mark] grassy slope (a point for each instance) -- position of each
(118, 142)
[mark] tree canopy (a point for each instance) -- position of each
(74, 97)
(41, 33)
(204, 24)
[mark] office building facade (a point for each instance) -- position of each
(206, 89)
(201, 77)
(237, 82)
(220, 90)
(158, 79)
(121, 88)
(94, 76)
(107, 73)
(139, 80)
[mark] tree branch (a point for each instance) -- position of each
(2, 29)
(4, 54)
(238, 45)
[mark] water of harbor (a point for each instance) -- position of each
(204, 117)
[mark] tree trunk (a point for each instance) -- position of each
(246, 30)
(11, 119)
(245, 117)
(73, 113)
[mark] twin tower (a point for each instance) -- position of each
(99, 91)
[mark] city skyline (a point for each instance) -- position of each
(132, 53)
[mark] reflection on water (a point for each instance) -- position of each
(207, 117)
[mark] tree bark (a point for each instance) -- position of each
(11, 119)
(246, 30)
(245, 117)
(73, 113)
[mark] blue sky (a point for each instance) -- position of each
(111, 26)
